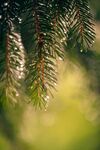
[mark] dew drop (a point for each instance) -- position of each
(17, 94)
(5, 4)
(22, 65)
(20, 20)
(42, 95)
(45, 34)
(50, 5)
(47, 97)
(45, 109)
(31, 87)
(64, 39)
(21, 47)
(15, 48)
(18, 68)
(22, 73)
(10, 37)
(81, 50)
(88, 6)
(55, 84)
(21, 69)
(61, 40)
(19, 76)
(60, 58)
(19, 40)
(89, 31)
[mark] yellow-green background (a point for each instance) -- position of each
(69, 123)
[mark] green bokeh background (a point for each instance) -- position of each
(69, 123)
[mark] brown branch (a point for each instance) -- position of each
(7, 56)
(40, 65)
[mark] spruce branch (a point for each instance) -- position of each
(81, 28)
(12, 62)
(33, 36)
(41, 58)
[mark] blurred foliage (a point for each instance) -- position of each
(68, 123)
(72, 120)
(96, 8)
